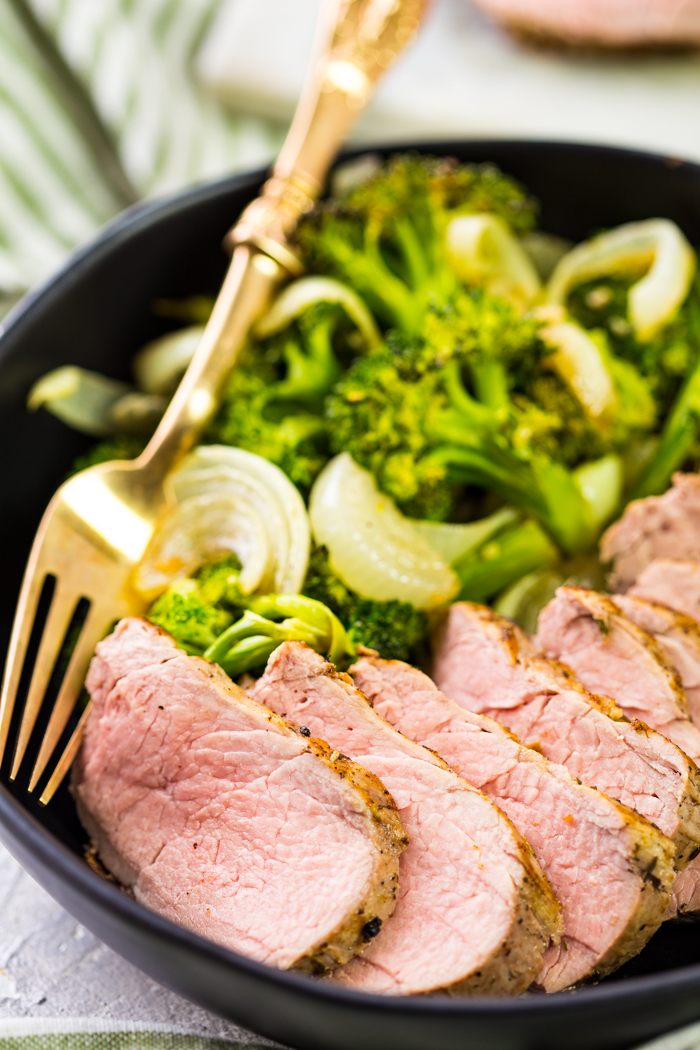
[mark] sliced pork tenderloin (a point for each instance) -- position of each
(611, 654)
(665, 526)
(671, 582)
(488, 665)
(475, 914)
(596, 853)
(224, 818)
(678, 636)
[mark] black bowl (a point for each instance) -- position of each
(96, 313)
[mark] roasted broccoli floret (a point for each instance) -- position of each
(395, 629)
(217, 581)
(199, 613)
(385, 237)
(406, 414)
(194, 623)
(251, 417)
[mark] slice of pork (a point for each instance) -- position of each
(224, 818)
(596, 853)
(678, 636)
(665, 526)
(488, 665)
(671, 582)
(610, 654)
(475, 914)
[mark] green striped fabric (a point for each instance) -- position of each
(99, 106)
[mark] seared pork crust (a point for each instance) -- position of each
(678, 636)
(475, 913)
(205, 803)
(597, 853)
(608, 651)
(490, 666)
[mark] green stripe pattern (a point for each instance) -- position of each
(99, 105)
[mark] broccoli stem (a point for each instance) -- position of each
(677, 438)
(501, 561)
(367, 272)
(311, 370)
(491, 383)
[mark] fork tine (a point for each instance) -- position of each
(66, 759)
(94, 628)
(62, 608)
(32, 586)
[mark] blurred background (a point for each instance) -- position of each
(105, 103)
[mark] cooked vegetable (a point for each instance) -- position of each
(503, 559)
(199, 612)
(386, 235)
(453, 541)
(578, 360)
(194, 623)
(229, 500)
(291, 437)
(394, 629)
(160, 365)
(273, 401)
(375, 549)
(656, 246)
(405, 414)
(484, 252)
(601, 484)
(678, 436)
(94, 404)
(248, 643)
(296, 298)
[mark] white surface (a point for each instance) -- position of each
(463, 76)
(51, 966)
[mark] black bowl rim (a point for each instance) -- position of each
(23, 828)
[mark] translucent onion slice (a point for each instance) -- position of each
(578, 360)
(656, 245)
(452, 540)
(483, 251)
(601, 484)
(202, 528)
(307, 291)
(81, 399)
(227, 499)
(375, 549)
(159, 366)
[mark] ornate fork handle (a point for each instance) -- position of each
(361, 42)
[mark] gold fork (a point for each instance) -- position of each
(98, 524)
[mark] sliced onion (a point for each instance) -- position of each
(601, 484)
(81, 399)
(578, 360)
(452, 540)
(483, 251)
(159, 366)
(307, 291)
(373, 548)
(227, 499)
(656, 245)
(544, 251)
(137, 413)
